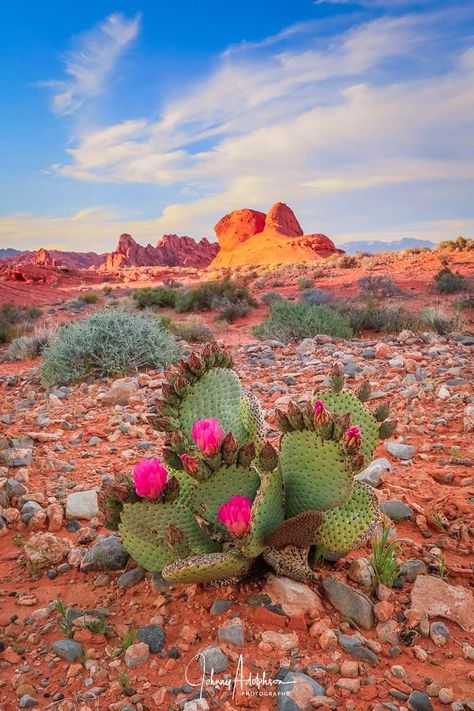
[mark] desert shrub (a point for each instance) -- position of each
(377, 285)
(270, 297)
(304, 284)
(155, 297)
(315, 296)
(289, 321)
(460, 244)
(346, 262)
(466, 302)
(438, 321)
(107, 343)
(213, 295)
(448, 282)
(194, 330)
(16, 321)
(230, 311)
(30, 346)
(89, 297)
(259, 283)
(107, 290)
(379, 318)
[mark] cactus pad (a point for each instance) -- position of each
(268, 511)
(344, 401)
(156, 534)
(252, 418)
(349, 526)
(316, 472)
(298, 531)
(209, 495)
(207, 568)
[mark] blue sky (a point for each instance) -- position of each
(154, 117)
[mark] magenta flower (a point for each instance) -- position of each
(352, 437)
(208, 435)
(235, 515)
(150, 478)
(321, 415)
(190, 463)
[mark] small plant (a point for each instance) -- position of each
(89, 297)
(270, 297)
(439, 322)
(315, 296)
(16, 321)
(377, 285)
(438, 521)
(372, 317)
(443, 568)
(66, 618)
(346, 262)
(107, 290)
(448, 282)
(155, 297)
(98, 626)
(110, 342)
(124, 682)
(384, 559)
(304, 283)
(289, 321)
(194, 331)
(127, 640)
(230, 311)
(30, 346)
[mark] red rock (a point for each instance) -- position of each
(9, 655)
(438, 599)
(170, 251)
(282, 219)
(267, 618)
(238, 226)
(383, 610)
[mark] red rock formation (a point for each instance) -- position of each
(170, 251)
(251, 237)
(51, 258)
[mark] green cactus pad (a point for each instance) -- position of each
(206, 568)
(268, 512)
(316, 473)
(252, 418)
(349, 526)
(156, 534)
(344, 401)
(216, 394)
(209, 495)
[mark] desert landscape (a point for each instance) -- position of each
(236, 355)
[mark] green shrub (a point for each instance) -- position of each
(466, 302)
(16, 321)
(270, 297)
(107, 343)
(304, 284)
(438, 321)
(230, 311)
(89, 297)
(379, 318)
(155, 297)
(448, 282)
(346, 262)
(107, 290)
(213, 295)
(30, 346)
(290, 321)
(377, 285)
(315, 296)
(194, 331)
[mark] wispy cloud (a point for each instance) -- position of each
(89, 65)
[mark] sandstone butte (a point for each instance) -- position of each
(170, 251)
(251, 237)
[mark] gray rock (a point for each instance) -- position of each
(131, 577)
(15, 488)
(296, 685)
(27, 701)
(396, 509)
(355, 647)
(220, 606)
(233, 632)
(360, 571)
(82, 505)
(439, 633)
(212, 658)
(159, 583)
(399, 450)
(68, 649)
(419, 701)
(16, 457)
(373, 473)
(153, 636)
(108, 554)
(409, 569)
(349, 602)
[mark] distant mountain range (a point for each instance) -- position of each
(376, 247)
(8, 252)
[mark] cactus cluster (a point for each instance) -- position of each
(224, 496)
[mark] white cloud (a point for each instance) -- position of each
(89, 66)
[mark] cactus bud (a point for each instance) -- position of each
(352, 438)
(307, 412)
(295, 416)
(171, 458)
(175, 439)
(268, 457)
(321, 416)
(181, 386)
(229, 448)
(282, 422)
(171, 490)
(190, 463)
(387, 428)
(208, 355)
(246, 454)
(364, 391)
(337, 378)
(358, 461)
(196, 364)
(163, 423)
(381, 413)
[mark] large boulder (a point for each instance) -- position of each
(282, 219)
(238, 226)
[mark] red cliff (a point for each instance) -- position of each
(170, 251)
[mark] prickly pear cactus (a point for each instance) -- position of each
(224, 496)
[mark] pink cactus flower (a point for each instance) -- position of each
(352, 437)
(321, 415)
(150, 478)
(235, 515)
(208, 435)
(190, 463)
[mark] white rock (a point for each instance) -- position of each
(82, 505)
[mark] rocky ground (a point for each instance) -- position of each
(131, 641)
